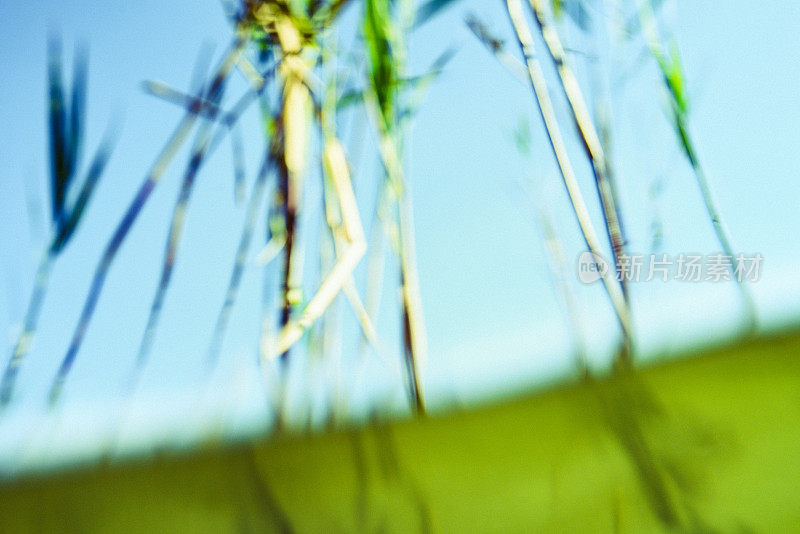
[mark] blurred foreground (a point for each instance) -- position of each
(705, 443)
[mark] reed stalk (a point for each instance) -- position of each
(134, 209)
(66, 141)
(588, 134)
(674, 83)
(547, 114)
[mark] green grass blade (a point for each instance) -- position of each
(380, 39)
(65, 146)
(672, 76)
(418, 86)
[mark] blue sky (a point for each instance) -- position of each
(492, 315)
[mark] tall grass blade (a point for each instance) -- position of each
(203, 148)
(239, 167)
(554, 252)
(383, 37)
(201, 65)
(143, 194)
(673, 78)
(591, 144)
(547, 114)
(210, 110)
(585, 125)
(197, 104)
(198, 155)
(66, 133)
(60, 171)
(496, 47)
(253, 209)
(77, 108)
(93, 175)
(25, 339)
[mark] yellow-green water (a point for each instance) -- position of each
(706, 443)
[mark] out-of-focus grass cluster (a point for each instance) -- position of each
(303, 80)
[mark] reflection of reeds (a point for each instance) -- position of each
(672, 444)
(66, 136)
(664, 455)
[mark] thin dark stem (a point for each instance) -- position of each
(718, 223)
(173, 239)
(232, 291)
(413, 325)
(25, 339)
(589, 138)
(547, 113)
(153, 177)
(290, 219)
(204, 146)
(680, 117)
